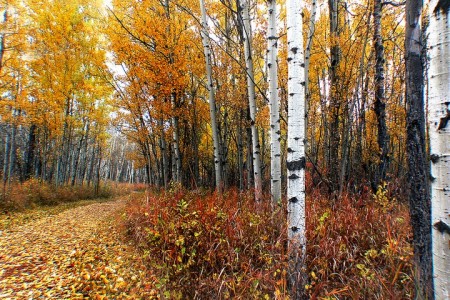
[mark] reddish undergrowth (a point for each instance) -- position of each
(33, 192)
(204, 246)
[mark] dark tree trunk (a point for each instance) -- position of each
(31, 152)
(380, 101)
(419, 198)
(333, 167)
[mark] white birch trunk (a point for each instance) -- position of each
(296, 147)
(245, 9)
(312, 28)
(212, 102)
(439, 131)
(274, 103)
(176, 143)
(2, 37)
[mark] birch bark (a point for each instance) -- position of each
(419, 202)
(439, 131)
(296, 148)
(211, 99)
(274, 103)
(245, 10)
(176, 141)
(380, 101)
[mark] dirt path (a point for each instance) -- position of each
(77, 254)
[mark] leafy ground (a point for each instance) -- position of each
(70, 252)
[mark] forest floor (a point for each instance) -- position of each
(71, 253)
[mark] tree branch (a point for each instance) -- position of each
(395, 4)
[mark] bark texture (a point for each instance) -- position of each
(333, 163)
(212, 102)
(419, 199)
(380, 101)
(274, 104)
(245, 10)
(296, 150)
(439, 131)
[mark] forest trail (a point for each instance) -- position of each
(76, 254)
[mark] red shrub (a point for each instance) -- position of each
(208, 247)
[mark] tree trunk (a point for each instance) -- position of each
(312, 28)
(6, 162)
(85, 155)
(176, 141)
(240, 149)
(12, 153)
(2, 38)
(31, 152)
(163, 158)
(274, 104)
(439, 131)
(245, 11)
(296, 151)
(380, 101)
(333, 167)
(211, 99)
(249, 163)
(417, 161)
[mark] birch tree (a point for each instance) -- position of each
(272, 65)
(245, 11)
(176, 142)
(309, 43)
(380, 101)
(212, 103)
(296, 148)
(439, 131)
(416, 154)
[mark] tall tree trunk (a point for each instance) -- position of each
(97, 180)
(12, 153)
(2, 37)
(245, 11)
(250, 173)
(439, 131)
(380, 101)
(224, 153)
(31, 152)
(274, 103)
(211, 98)
(85, 156)
(333, 167)
(296, 150)
(176, 141)
(164, 163)
(240, 149)
(6, 161)
(90, 174)
(419, 200)
(76, 160)
(309, 44)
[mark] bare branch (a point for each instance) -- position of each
(395, 4)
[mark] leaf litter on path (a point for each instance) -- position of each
(76, 254)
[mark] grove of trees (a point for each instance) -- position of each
(278, 97)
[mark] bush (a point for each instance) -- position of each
(19, 196)
(203, 246)
(358, 248)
